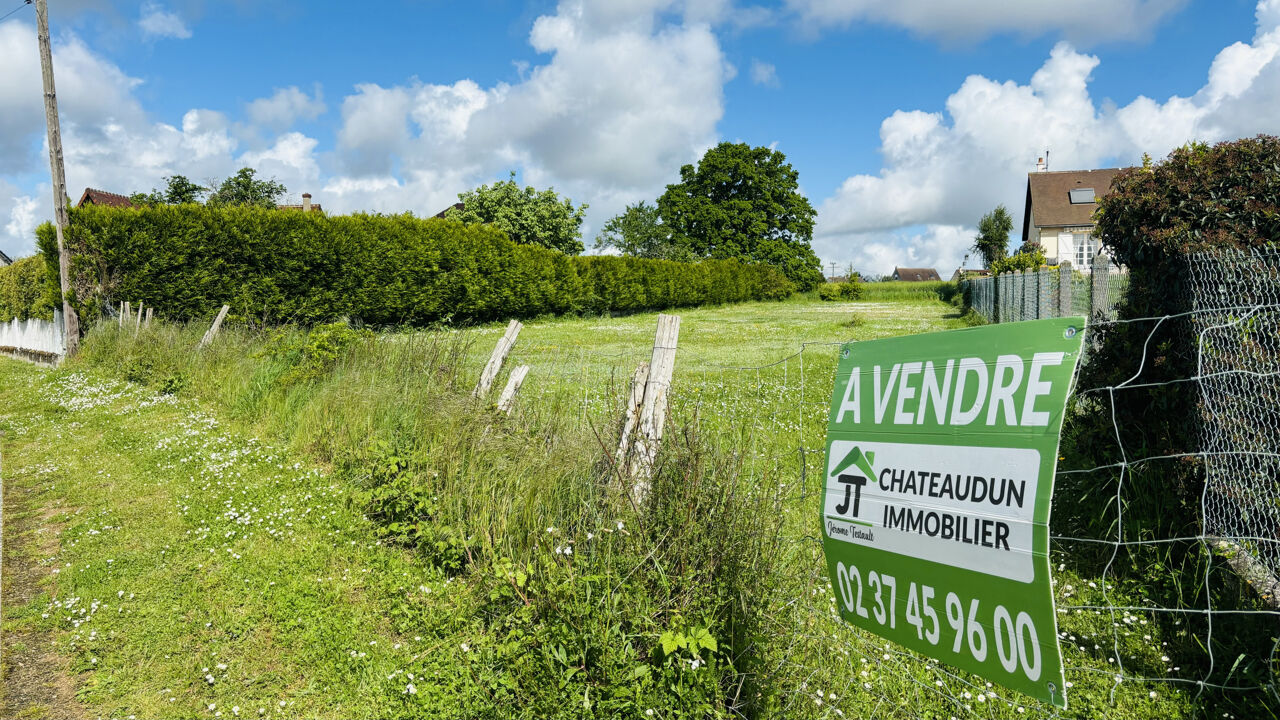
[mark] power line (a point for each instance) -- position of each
(24, 4)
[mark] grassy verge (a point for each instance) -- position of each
(392, 549)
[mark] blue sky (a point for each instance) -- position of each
(906, 120)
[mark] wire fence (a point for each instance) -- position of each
(1164, 553)
(1057, 292)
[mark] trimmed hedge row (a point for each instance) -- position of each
(22, 290)
(274, 266)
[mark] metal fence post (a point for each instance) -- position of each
(1098, 287)
(1064, 288)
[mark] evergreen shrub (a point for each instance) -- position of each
(22, 291)
(281, 266)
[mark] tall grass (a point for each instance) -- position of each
(587, 605)
(579, 585)
(897, 290)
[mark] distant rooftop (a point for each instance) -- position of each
(92, 196)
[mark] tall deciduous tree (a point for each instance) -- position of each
(639, 231)
(992, 242)
(526, 215)
(179, 190)
(244, 188)
(744, 202)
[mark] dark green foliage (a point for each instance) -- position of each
(1030, 247)
(241, 189)
(178, 191)
(1199, 198)
(23, 293)
(639, 232)
(527, 216)
(744, 202)
(832, 291)
(405, 506)
(312, 356)
(992, 242)
(273, 266)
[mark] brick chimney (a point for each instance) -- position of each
(306, 202)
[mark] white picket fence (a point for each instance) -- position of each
(34, 339)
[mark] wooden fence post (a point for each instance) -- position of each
(499, 355)
(147, 323)
(120, 316)
(638, 382)
(508, 398)
(126, 314)
(137, 322)
(654, 409)
(1064, 289)
(217, 324)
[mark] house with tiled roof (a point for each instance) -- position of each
(102, 197)
(915, 274)
(1059, 213)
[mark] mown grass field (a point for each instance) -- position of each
(211, 538)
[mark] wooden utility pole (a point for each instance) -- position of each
(71, 322)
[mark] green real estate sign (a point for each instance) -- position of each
(941, 451)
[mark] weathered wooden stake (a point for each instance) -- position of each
(508, 398)
(217, 324)
(653, 412)
(1250, 570)
(126, 313)
(638, 382)
(137, 322)
(150, 311)
(120, 317)
(499, 355)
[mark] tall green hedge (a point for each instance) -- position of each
(22, 290)
(272, 266)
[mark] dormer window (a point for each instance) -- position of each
(1081, 196)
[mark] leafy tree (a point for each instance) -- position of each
(244, 188)
(1029, 259)
(178, 191)
(181, 191)
(639, 231)
(526, 215)
(992, 242)
(744, 202)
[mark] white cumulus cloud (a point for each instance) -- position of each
(944, 170)
(625, 97)
(155, 21)
(285, 107)
(763, 73)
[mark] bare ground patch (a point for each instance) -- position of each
(35, 680)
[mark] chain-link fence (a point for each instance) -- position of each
(1236, 316)
(1060, 292)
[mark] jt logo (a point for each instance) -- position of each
(852, 491)
(853, 484)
